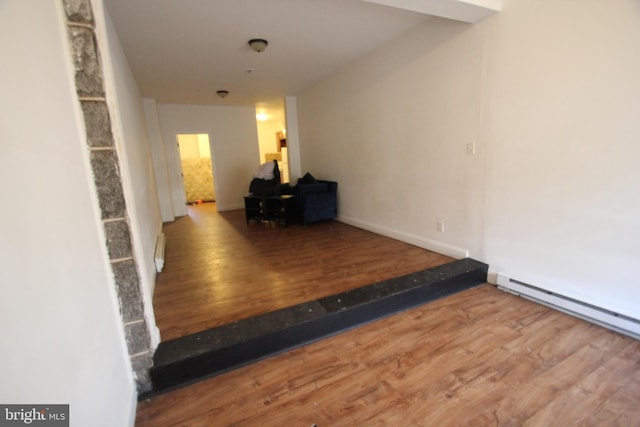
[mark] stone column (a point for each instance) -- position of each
(108, 185)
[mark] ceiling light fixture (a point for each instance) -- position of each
(223, 93)
(258, 45)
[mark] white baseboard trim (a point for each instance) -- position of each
(606, 318)
(421, 242)
(159, 252)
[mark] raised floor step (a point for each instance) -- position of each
(183, 361)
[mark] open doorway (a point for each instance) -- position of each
(197, 168)
(272, 135)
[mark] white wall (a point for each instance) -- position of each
(62, 339)
(234, 148)
(204, 148)
(549, 92)
(132, 142)
(188, 146)
(293, 139)
(158, 156)
(563, 183)
(393, 129)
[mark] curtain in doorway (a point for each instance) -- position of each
(198, 180)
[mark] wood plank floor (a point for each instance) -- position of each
(478, 358)
(218, 269)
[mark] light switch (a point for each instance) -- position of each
(471, 148)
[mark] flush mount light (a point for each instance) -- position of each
(223, 93)
(258, 45)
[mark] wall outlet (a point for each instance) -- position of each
(471, 148)
(440, 226)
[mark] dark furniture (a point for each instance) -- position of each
(316, 200)
(266, 186)
(280, 209)
(310, 200)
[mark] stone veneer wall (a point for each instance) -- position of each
(108, 183)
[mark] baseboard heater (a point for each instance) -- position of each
(159, 255)
(618, 322)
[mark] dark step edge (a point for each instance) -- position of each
(223, 336)
(206, 365)
(178, 349)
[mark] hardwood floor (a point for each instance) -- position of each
(219, 270)
(478, 358)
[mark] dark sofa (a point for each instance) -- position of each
(316, 200)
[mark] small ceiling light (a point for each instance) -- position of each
(259, 45)
(223, 93)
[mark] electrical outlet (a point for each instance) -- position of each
(471, 148)
(440, 226)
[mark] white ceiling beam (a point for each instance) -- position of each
(460, 10)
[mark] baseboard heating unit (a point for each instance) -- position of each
(159, 255)
(618, 322)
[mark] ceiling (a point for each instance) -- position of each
(183, 51)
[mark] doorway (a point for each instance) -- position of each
(197, 168)
(272, 135)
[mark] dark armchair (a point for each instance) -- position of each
(316, 200)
